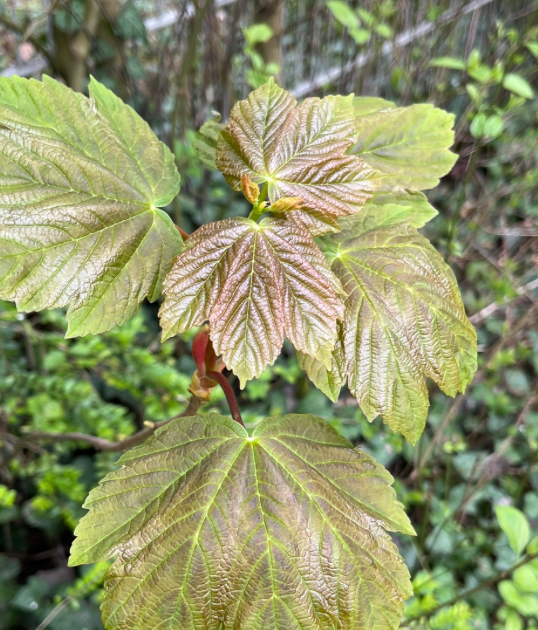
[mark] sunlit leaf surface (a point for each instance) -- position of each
(300, 151)
(404, 320)
(281, 531)
(205, 142)
(408, 144)
(255, 284)
(81, 182)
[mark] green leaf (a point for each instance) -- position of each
(256, 284)
(328, 379)
(383, 30)
(344, 14)
(477, 125)
(366, 105)
(480, 73)
(300, 151)
(205, 142)
(409, 144)
(360, 35)
(493, 126)
(80, 184)
(404, 320)
(391, 207)
(524, 603)
(215, 529)
(532, 48)
(257, 33)
(515, 525)
(452, 63)
(518, 85)
(526, 579)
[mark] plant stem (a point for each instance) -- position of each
(256, 210)
(107, 446)
(230, 396)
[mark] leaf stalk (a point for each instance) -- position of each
(230, 396)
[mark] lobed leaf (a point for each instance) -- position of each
(391, 207)
(214, 529)
(367, 105)
(404, 319)
(80, 184)
(408, 144)
(300, 151)
(256, 284)
(205, 142)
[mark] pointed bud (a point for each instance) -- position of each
(250, 189)
(286, 204)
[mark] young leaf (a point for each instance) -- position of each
(255, 283)
(404, 320)
(80, 188)
(518, 85)
(344, 14)
(300, 151)
(409, 144)
(215, 529)
(452, 63)
(515, 525)
(205, 142)
(366, 105)
(391, 207)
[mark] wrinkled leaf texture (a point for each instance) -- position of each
(205, 142)
(300, 151)
(404, 320)
(255, 284)
(410, 145)
(213, 529)
(81, 182)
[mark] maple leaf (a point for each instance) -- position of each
(299, 151)
(255, 284)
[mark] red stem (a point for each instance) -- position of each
(230, 396)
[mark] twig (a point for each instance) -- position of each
(501, 575)
(494, 306)
(107, 446)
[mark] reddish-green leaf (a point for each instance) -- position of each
(300, 151)
(213, 529)
(255, 284)
(404, 320)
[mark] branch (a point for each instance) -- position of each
(107, 446)
(466, 594)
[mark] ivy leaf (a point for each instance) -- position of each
(212, 528)
(256, 284)
(80, 185)
(205, 142)
(409, 144)
(404, 320)
(300, 151)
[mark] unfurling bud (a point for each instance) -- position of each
(286, 204)
(250, 189)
